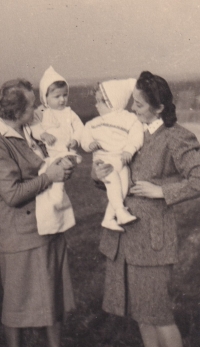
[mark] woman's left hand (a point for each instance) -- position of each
(68, 167)
(147, 189)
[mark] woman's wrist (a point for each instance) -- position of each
(48, 179)
(159, 193)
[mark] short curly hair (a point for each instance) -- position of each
(13, 99)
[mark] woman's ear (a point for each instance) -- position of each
(160, 109)
(17, 115)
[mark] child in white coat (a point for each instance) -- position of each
(60, 129)
(114, 137)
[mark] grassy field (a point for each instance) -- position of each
(88, 325)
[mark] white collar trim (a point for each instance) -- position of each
(152, 127)
(8, 131)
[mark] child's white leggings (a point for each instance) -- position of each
(117, 187)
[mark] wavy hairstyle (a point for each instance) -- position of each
(13, 99)
(156, 92)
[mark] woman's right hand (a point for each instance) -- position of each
(102, 170)
(55, 172)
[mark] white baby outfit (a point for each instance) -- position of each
(65, 125)
(116, 131)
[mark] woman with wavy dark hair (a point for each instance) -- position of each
(165, 172)
(34, 270)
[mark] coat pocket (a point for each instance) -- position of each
(25, 219)
(156, 234)
(156, 227)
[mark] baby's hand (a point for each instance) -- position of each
(126, 157)
(73, 145)
(48, 138)
(94, 146)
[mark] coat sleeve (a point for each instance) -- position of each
(77, 126)
(87, 137)
(135, 138)
(185, 151)
(13, 190)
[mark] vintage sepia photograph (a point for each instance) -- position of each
(100, 173)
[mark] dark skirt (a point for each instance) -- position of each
(141, 291)
(37, 288)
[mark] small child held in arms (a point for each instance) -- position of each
(114, 137)
(60, 129)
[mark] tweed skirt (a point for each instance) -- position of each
(141, 291)
(37, 288)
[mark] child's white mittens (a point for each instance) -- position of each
(48, 138)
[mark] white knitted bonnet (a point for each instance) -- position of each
(117, 92)
(50, 76)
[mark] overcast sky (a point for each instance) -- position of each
(99, 39)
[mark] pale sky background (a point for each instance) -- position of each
(99, 39)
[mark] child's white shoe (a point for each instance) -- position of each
(112, 224)
(124, 217)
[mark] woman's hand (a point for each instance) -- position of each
(48, 138)
(126, 157)
(147, 189)
(68, 163)
(57, 173)
(101, 170)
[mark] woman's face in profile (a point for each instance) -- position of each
(144, 111)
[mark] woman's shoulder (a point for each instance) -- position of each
(178, 135)
(179, 130)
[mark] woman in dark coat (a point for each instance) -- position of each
(166, 171)
(34, 270)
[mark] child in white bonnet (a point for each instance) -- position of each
(60, 129)
(114, 137)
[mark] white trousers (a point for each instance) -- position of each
(118, 179)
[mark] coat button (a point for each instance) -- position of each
(28, 212)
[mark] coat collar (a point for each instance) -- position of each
(152, 127)
(8, 131)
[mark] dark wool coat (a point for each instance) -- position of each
(169, 158)
(19, 185)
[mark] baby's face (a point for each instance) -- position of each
(57, 98)
(101, 106)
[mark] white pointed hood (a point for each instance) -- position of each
(117, 92)
(50, 76)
